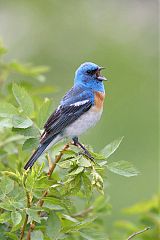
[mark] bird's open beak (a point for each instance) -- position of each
(99, 76)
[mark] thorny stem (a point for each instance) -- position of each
(137, 233)
(52, 166)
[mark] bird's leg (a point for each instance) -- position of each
(86, 152)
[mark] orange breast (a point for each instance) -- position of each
(99, 100)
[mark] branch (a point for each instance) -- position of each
(26, 217)
(50, 171)
(83, 213)
(137, 233)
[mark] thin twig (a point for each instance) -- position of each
(83, 213)
(58, 158)
(137, 233)
(50, 171)
(49, 160)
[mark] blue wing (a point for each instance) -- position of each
(75, 103)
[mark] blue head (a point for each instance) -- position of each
(88, 74)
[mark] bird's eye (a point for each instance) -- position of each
(91, 72)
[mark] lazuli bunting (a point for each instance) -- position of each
(79, 110)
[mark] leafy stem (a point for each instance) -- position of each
(28, 205)
(52, 166)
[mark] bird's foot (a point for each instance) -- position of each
(85, 151)
(88, 155)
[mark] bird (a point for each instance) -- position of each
(80, 109)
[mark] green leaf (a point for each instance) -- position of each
(6, 185)
(33, 215)
(97, 181)
(23, 99)
(144, 206)
(7, 110)
(27, 69)
(108, 150)
(30, 144)
(77, 226)
(83, 162)
(7, 206)
(28, 132)
(77, 171)
(21, 122)
(53, 203)
(16, 199)
(53, 226)
(123, 168)
(6, 123)
(86, 185)
(44, 112)
(16, 218)
(73, 184)
(5, 217)
(65, 164)
(71, 219)
(14, 176)
(37, 235)
(11, 236)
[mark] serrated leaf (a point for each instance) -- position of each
(123, 168)
(21, 122)
(44, 112)
(30, 144)
(23, 99)
(16, 218)
(7, 110)
(53, 226)
(28, 132)
(33, 215)
(37, 235)
(108, 150)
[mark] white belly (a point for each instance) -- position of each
(87, 120)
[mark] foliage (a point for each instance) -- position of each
(147, 213)
(67, 204)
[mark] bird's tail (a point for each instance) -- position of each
(38, 152)
(35, 155)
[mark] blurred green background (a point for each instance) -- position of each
(123, 37)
